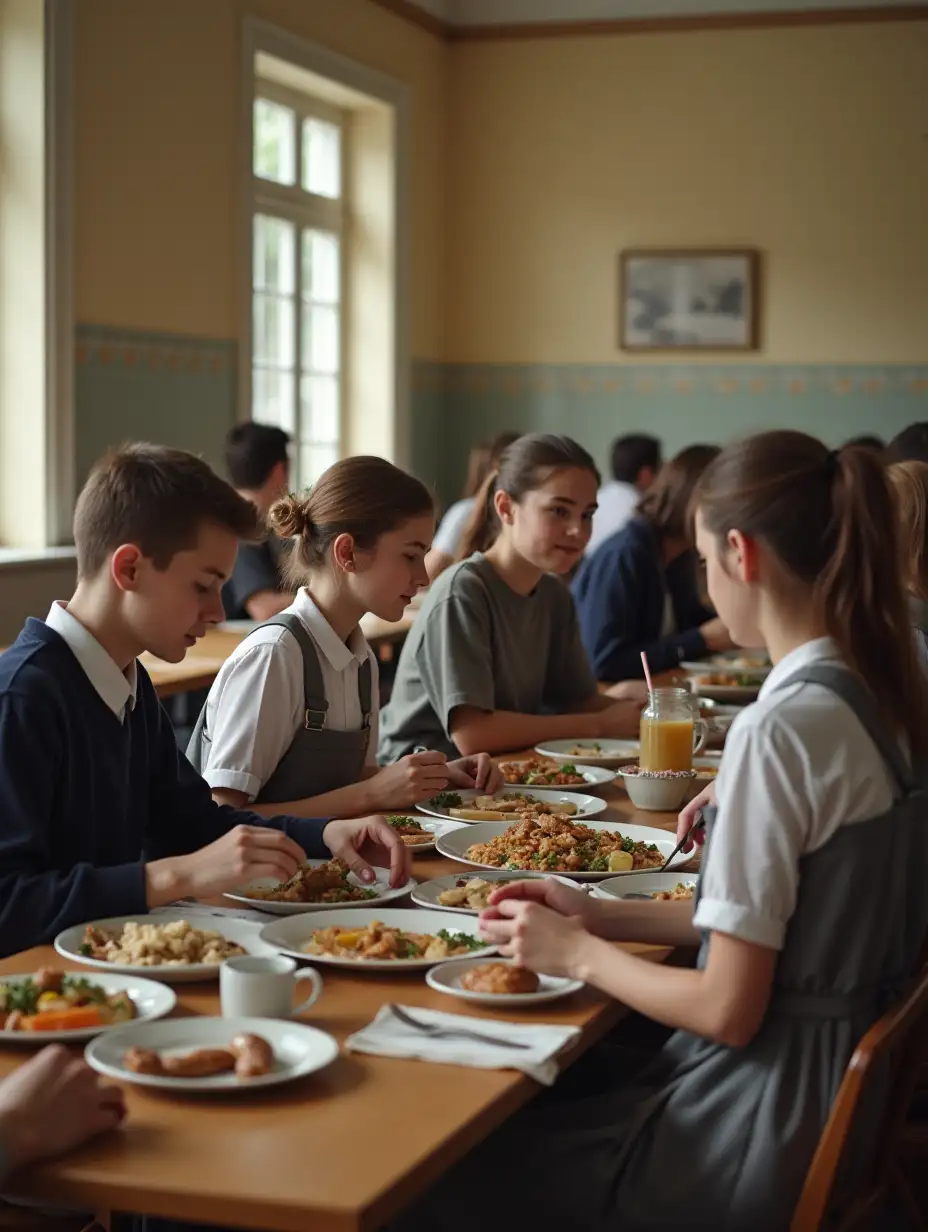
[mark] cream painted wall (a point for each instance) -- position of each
(158, 155)
(808, 143)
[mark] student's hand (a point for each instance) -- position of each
(534, 936)
(364, 841)
(406, 782)
(620, 720)
(244, 854)
(629, 691)
(54, 1103)
(479, 771)
(687, 817)
(546, 892)
(715, 635)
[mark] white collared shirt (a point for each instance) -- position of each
(615, 504)
(797, 765)
(256, 703)
(117, 688)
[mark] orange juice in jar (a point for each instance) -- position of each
(670, 734)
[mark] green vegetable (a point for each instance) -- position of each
(628, 845)
(567, 768)
(401, 822)
(465, 939)
(599, 865)
(86, 949)
(446, 799)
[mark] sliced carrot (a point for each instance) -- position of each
(63, 1020)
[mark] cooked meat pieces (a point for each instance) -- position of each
(497, 977)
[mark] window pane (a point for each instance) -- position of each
(273, 330)
(320, 339)
(314, 459)
(274, 142)
(272, 398)
(322, 158)
(273, 265)
(321, 267)
(319, 418)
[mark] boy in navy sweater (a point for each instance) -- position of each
(100, 815)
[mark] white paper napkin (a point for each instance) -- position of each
(386, 1036)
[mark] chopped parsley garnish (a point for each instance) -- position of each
(599, 865)
(567, 768)
(465, 939)
(446, 799)
(628, 845)
(86, 950)
(399, 822)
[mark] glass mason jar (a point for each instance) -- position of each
(670, 731)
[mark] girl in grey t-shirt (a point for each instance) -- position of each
(494, 660)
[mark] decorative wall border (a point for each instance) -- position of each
(110, 346)
(540, 380)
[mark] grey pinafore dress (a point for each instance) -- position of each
(709, 1136)
(319, 759)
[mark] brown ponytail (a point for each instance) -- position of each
(364, 497)
(910, 488)
(830, 519)
(523, 466)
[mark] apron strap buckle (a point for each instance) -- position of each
(314, 720)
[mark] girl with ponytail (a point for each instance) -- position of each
(291, 721)
(494, 660)
(811, 907)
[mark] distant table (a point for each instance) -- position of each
(201, 665)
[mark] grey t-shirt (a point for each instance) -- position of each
(476, 642)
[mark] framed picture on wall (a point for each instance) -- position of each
(698, 299)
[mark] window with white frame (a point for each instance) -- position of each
(298, 230)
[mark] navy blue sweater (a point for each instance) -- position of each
(85, 800)
(619, 592)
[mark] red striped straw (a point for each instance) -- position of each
(647, 672)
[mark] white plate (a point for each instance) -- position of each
(447, 978)
(729, 662)
(644, 883)
(609, 753)
(438, 828)
(385, 893)
(289, 935)
(735, 694)
(587, 806)
(152, 1000)
(242, 932)
(454, 845)
(298, 1050)
(426, 895)
(593, 776)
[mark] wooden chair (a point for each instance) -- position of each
(902, 1035)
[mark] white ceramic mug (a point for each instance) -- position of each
(263, 987)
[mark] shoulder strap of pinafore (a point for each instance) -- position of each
(852, 690)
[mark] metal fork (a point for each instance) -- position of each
(428, 1028)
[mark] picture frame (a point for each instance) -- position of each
(689, 299)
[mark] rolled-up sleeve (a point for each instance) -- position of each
(252, 715)
(751, 875)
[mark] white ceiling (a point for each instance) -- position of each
(504, 12)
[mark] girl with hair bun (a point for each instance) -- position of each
(810, 909)
(291, 722)
(494, 660)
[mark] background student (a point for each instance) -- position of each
(910, 486)
(909, 445)
(636, 459)
(494, 660)
(292, 719)
(102, 815)
(258, 465)
(811, 902)
(446, 545)
(640, 590)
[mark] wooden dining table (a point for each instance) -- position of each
(340, 1151)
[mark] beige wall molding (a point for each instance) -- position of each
(454, 33)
